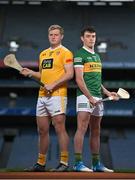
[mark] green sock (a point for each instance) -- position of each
(95, 159)
(78, 157)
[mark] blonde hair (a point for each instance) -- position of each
(55, 26)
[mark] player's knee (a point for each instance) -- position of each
(59, 128)
(42, 131)
(82, 129)
(95, 133)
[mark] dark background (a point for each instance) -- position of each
(27, 26)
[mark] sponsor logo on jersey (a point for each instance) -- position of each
(77, 59)
(92, 67)
(96, 65)
(47, 63)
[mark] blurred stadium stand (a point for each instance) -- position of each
(18, 160)
(1, 142)
(20, 156)
(121, 148)
(27, 26)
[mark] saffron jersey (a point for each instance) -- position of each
(92, 68)
(51, 67)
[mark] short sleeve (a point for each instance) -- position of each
(68, 57)
(78, 60)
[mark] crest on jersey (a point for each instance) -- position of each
(57, 53)
(50, 53)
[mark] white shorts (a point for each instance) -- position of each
(51, 106)
(83, 104)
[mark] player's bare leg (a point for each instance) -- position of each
(43, 124)
(43, 130)
(59, 125)
(82, 125)
(94, 125)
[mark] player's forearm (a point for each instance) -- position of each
(82, 86)
(66, 77)
(105, 91)
(35, 74)
(28, 72)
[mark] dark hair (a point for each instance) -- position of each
(90, 29)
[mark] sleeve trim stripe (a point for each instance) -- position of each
(78, 66)
(69, 60)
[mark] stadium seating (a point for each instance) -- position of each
(24, 151)
(1, 142)
(122, 151)
(28, 26)
(120, 45)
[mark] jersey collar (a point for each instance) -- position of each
(92, 52)
(56, 47)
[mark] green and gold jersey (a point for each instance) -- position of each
(92, 70)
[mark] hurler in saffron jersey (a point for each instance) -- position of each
(55, 69)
